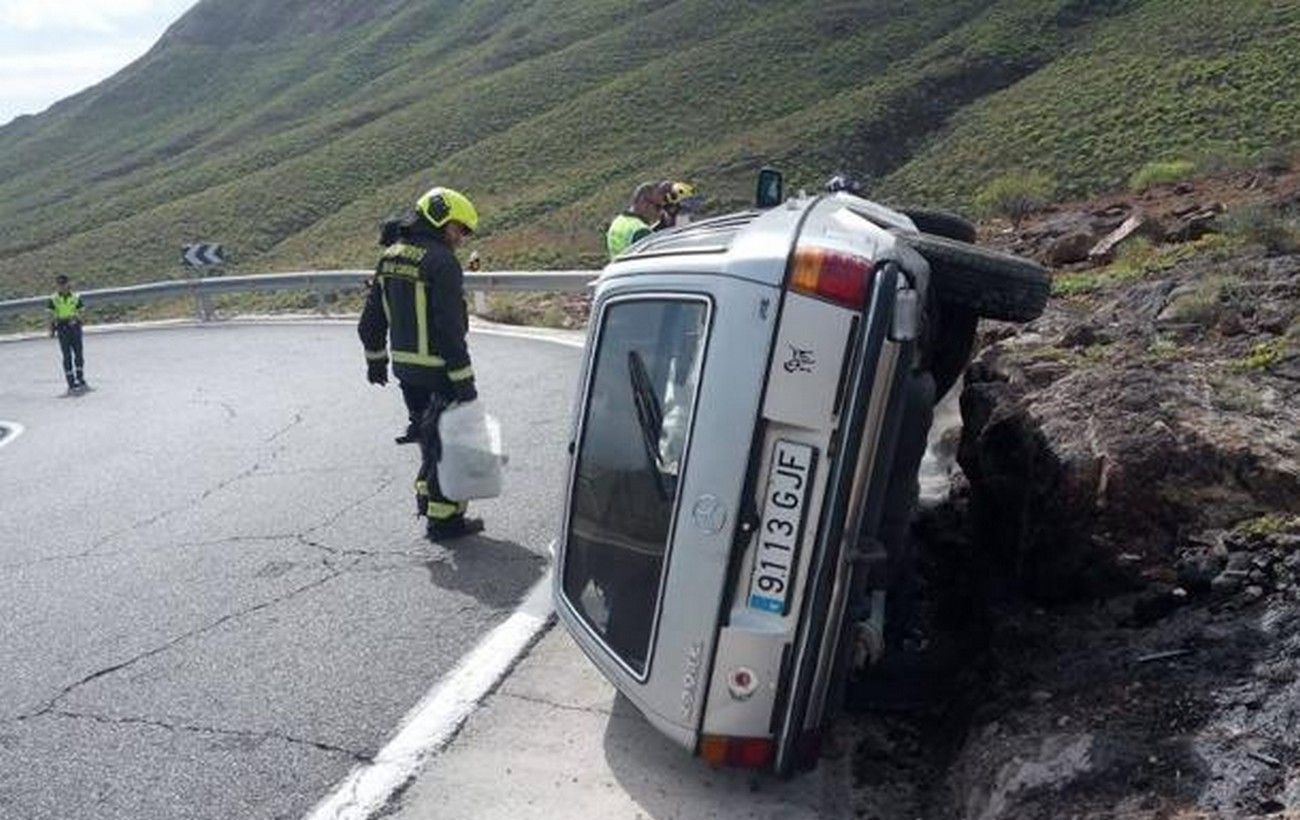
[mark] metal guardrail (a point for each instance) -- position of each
(318, 282)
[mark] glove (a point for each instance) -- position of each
(465, 391)
(377, 372)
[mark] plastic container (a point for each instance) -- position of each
(470, 466)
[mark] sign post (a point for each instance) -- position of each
(196, 257)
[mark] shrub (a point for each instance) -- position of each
(1279, 159)
(1160, 173)
(1264, 355)
(1016, 195)
(1258, 224)
(1206, 302)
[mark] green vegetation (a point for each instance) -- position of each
(1136, 259)
(1164, 350)
(1207, 301)
(1263, 526)
(1016, 195)
(1276, 232)
(1161, 173)
(1264, 355)
(317, 120)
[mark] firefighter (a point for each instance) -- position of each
(65, 322)
(416, 307)
(679, 200)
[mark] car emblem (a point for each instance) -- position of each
(801, 360)
(709, 514)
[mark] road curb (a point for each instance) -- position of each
(439, 716)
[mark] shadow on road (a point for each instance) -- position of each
(666, 781)
(493, 571)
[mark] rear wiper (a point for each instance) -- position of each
(649, 417)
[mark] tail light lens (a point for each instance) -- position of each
(738, 752)
(838, 277)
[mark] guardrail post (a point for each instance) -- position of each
(202, 305)
(321, 306)
(480, 303)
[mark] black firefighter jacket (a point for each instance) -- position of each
(416, 308)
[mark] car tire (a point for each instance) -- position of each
(941, 223)
(993, 284)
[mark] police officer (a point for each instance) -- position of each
(65, 322)
(416, 307)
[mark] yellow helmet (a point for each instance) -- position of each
(443, 205)
(678, 191)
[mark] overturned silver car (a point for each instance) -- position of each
(720, 559)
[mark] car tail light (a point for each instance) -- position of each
(740, 752)
(841, 278)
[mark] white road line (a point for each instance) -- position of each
(15, 430)
(433, 723)
(530, 335)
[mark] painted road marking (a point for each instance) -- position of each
(434, 722)
(9, 430)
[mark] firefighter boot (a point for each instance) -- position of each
(458, 526)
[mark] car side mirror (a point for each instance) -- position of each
(771, 188)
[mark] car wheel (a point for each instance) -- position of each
(941, 223)
(993, 284)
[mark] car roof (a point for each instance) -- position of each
(756, 244)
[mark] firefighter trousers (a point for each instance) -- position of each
(429, 499)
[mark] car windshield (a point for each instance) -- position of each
(638, 414)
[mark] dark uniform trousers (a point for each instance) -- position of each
(74, 360)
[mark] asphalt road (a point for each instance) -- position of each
(214, 597)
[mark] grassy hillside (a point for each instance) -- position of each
(288, 130)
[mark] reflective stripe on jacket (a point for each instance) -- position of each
(623, 232)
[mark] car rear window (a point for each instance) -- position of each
(639, 406)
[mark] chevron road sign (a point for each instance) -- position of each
(203, 253)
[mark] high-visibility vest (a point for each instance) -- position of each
(65, 308)
(623, 231)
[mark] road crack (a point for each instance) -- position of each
(294, 422)
(591, 710)
(359, 756)
(52, 704)
(185, 506)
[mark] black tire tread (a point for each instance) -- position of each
(995, 285)
(941, 223)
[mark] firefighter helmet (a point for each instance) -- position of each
(678, 191)
(443, 205)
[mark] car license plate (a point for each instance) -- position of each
(781, 527)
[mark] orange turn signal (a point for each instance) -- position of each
(841, 278)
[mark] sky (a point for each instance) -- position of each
(51, 49)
